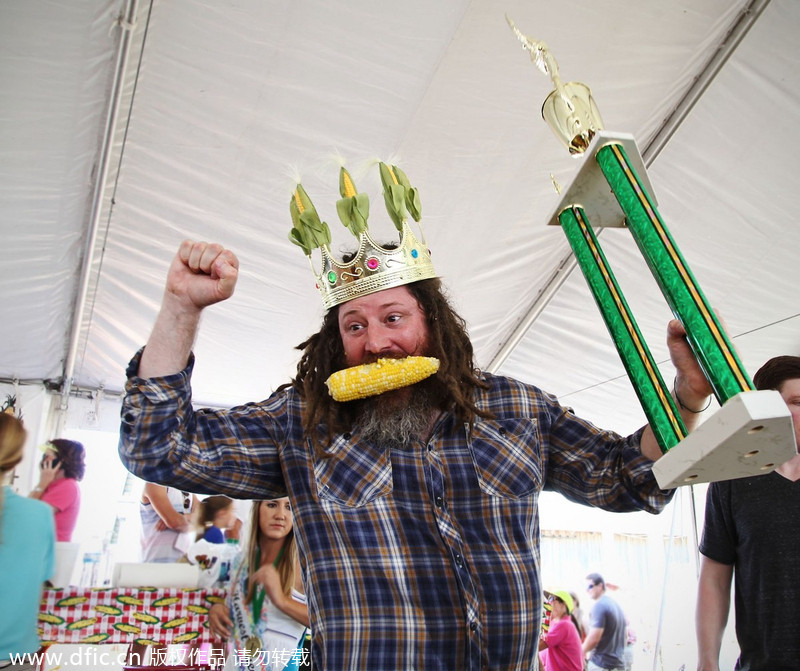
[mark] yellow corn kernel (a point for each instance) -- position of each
(297, 201)
(348, 188)
(383, 375)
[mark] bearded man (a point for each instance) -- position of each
(415, 510)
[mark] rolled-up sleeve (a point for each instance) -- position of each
(164, 440)
(600, 468)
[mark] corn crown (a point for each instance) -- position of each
(374, 267)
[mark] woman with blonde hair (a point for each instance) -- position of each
(27, 553)
(266, 614)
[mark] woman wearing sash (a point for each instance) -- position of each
(265, 617)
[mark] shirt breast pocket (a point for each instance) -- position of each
(507, 457)
(354, 475)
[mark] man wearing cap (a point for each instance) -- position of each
(607, 637)
(416, 508)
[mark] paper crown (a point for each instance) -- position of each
(374, 267)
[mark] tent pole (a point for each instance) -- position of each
(739, 28)
(667, 562)
(126, 22)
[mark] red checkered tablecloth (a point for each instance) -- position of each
(133, 615)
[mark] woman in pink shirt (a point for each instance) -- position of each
(560, 648)
(61, 468)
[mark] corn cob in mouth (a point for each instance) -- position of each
(375, 378)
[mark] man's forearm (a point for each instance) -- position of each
(592, 639)
(170, 342)
(713, 604)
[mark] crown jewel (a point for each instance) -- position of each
(373, 267)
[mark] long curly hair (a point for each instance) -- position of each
(72, 455)
(454, 384)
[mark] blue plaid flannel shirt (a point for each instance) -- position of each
(422, 558)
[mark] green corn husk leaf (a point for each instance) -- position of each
(394, 195)
(413, 203)
(401, 177)
(305, 201)
(354, 212)
(296, 236)
(309, 231)
(318, 230)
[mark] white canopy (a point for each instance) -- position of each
(123, 136)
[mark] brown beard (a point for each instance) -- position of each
(395, 419)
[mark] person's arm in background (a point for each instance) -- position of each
(711, 615)
(48, 470)
(592, 639)
(172, 519)
(268, 576)
(219, 621)
(691, 386)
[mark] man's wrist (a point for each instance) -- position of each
(706, 400)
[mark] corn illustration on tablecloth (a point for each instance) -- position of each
(132, 615)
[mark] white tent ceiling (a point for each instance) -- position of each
(221, 103)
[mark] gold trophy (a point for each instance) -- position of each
(752, 432)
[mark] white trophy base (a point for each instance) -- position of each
(590, 190)
(751, 434)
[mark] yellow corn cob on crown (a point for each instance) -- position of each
(375, 378)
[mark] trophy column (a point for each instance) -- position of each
(654, 395)
(708, 339)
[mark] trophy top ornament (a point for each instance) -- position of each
(569, 109)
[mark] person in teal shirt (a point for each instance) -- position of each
(27, 554)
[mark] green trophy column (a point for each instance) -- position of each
(711, 345)
(654, 395)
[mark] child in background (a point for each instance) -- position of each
(216, 515)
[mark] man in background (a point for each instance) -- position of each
(607, 635)
(752, 527)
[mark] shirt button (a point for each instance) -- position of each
(347, 436)
(473, 626)
(129, 417)
(439, 502)
(460, 562)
